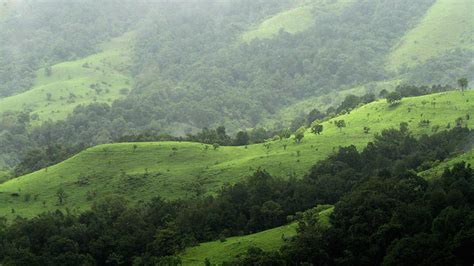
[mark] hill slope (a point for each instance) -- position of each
(181, 169)
(446, 26)
(96, 78)
(218, 252)
(294, 20)
(467, 157)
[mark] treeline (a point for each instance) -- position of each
(351, 102)
(373, 184)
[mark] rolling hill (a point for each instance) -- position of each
(293, 20)
(181, 169)
(218, 252)
(96, 78)
(447, 25)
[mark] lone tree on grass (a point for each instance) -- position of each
(394, 98)
(61, 194)
(299, 134)
(242, 138)
(340, 124)
(316, 128)
(463, 83)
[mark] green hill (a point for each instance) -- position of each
(96, 78)
(334, 98)
(436, 171)
(446, 26)
(218, 252)
(294, 20)
(180, 169)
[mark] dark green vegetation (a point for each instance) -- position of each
(378, 185)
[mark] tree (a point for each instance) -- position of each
(314, 115)
(242, 138)
(463, 83)
(316, 128)
(48, 71)
(61, 194)
(340, 124)
(394, 97)
(299, 134)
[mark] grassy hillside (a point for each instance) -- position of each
(294, 20)
(334, 98)
(436, 171)
(175, 169)
(218, 252)
(446, 26)
(97, 78)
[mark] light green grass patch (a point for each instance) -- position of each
(438, 170)
(96, 78)
(175, 169)
(448, 24)
(294, 20)
(270, 240)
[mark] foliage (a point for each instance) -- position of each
(394, 97)
(377, 184)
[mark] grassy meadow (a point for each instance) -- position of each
(446, 26)
(96, 78)
(172, 170)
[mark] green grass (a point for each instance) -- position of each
(176, 168)
(448, 24)
(437, 170)
(218, 252)
(294, 20)
(70, 83)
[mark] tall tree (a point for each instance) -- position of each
(463, 83)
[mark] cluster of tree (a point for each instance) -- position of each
(408, 90)
(398, 219)
(378, 185)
